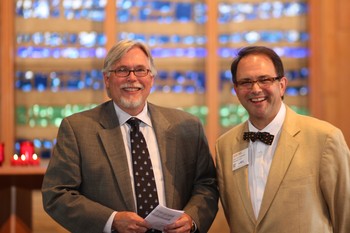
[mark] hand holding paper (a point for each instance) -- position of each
(162, 216)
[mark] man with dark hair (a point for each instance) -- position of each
(280, 171)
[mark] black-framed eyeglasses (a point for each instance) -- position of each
(263, 82)
(123, 73)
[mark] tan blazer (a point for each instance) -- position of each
(88, 175)
(308, 187)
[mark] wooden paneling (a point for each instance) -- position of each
(329, 26)
(329, 63)
(7, 96)
(212, 71)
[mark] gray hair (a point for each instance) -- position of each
(121, 48)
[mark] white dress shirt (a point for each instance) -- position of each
(260, 157)
(148, 132)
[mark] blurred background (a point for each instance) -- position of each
(51, 54)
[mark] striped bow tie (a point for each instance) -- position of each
(264, 137)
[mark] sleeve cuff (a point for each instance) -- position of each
(194, 227)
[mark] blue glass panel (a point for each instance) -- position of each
(40, 82)
(41, 9)
(272, 36)
(303, 90)
(292, 91)
(183, 12)
(40, 52)
(123, 15)
(100, 52)
(70, 53)
(69, 14)
(178, 77)
(188, 40)
(304, 36)
(55, 52)
(88, 80)
(189, 89)
(191, 75)
(101, 39)
(124, 4)
(166, 89)
(294, 9)
(200, 13)
(161, 6)
(175, 39)
(252, 37)
(164, 39)
(38, 38)
(87, 39)
(200, 81)
(73, 38)
(97, 15)
(304, 73)
(296, 52)
(55, 8)
(224, 38)
(236, 38)
(277, 11)
(224, 13)
(86, 52)
(264, 10)
(177, 88)
(292, 74)
(225, 52)
(162, 75)
(47, 144)
(226, 76)
(83, 13)
(201, 40)
(53, 39)
(144, 14)
(37, 143)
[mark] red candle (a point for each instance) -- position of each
(26, 149)
(2, 153)
(35, 160)
(15, 160)
(23, 160)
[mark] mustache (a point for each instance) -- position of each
(132, 85)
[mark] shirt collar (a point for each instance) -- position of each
(144, 115)
(275, 125)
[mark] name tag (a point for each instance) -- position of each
(240, 159)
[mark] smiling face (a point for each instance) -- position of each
(262, 104)
(130, 93)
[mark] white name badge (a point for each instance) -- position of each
(240, 159)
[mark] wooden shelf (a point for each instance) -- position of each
(22, 170)
(285, 23)
(60, 98)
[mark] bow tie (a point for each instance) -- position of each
(265, 137)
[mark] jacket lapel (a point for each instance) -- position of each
(283, 156)
(241, 175)
(112, 141)
(166, 140)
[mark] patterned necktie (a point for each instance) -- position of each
(145, 185)
(265, 137)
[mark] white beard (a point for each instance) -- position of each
(126, 103)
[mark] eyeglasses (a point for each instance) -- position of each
(123, 73)
(262, 82)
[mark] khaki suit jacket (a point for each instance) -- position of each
(88, 174)
(308, 186)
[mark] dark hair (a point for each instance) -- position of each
(261, 50)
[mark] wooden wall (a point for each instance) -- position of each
(329, 95)
(330, 63)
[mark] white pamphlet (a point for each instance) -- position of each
(162, 216)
